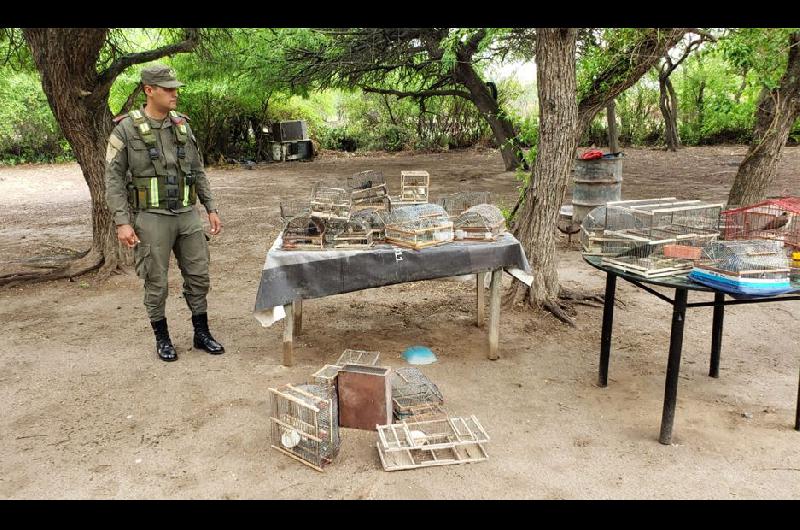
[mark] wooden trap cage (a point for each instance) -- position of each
(773, 219)
(419, 226)
(353, 233)
(329, 203)
(482, 222)
(326, 376)
(414, 187)
(362, 357)
(368, 190)
(374, 219)
(413, 393)
(438, 442)
(303, 233)
(304, 423)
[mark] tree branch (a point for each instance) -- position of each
(106, 78)
(417, 94)
(131, 99)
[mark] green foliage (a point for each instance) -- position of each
(28, 129)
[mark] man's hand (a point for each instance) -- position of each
(126, 235)
(215, 222)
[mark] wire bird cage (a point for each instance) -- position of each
(294, 208)
(419, 226)
(413, 187)
(438, 442)
(754, 267)
(351, 234)
(326, 376)
(774, 219)
(368, 190)
(329, 203)
(303, 233)
(651, 238)
(362, 357)
(458, 203)
(482, 222)
(305, 423)
(374, 219)
(412, 393)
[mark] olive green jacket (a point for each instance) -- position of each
(127, 156)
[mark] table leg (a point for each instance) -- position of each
(716, 333)
(481, 300)
(797, 410)
(673, 365)
(494, 313)
(297, 310)
(608, 325)
(288, 336)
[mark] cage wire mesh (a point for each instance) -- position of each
(303, 232)
(374, 219)
(291, 208)
(329, 202)
(305, 423)
(326, 376)
(414, 186)
(353, 233)
(480, 222)
(745, 267)
(773, 219)
(419, 226)
(457, 203)
(412, 392)
(362, 357)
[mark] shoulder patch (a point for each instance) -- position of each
(115, 145)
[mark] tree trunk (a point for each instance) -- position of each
(503, 129)
(558, 139)
(66, 60)
(776, 112)
(668, 102)
(613, 132)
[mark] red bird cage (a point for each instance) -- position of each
(773, 219)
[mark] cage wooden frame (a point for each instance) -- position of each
(296, 236)
(329, 202)
(482, 222)
(361, 357)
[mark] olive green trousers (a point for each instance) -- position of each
(161, 234)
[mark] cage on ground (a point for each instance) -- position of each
(411, 389)
(304, 423)
(457, 203)
(419, 226)
(483, 222)
(329, 202)
(772, 219)
(362, 357)
(303, 233)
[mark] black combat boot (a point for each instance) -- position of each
(202, 336)
(164, 348)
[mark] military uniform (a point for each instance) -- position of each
(154, 175)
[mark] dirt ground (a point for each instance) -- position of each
(88, 411)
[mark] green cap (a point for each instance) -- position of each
(161, 75)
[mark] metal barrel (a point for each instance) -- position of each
(596, 183)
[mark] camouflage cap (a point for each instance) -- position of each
(161, 75)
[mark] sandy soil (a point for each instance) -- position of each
(88, 411)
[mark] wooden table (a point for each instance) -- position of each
(682, 286)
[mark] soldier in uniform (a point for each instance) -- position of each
(154, 175)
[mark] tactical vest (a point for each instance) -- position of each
(162, 191)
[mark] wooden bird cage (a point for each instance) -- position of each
(304, 423)
(368, 190)
(351, 234)
(289, 209)
(326, 376)
(438, 442)
(303, 233)
(361, 357)
(374, 219)
(413, 393)
(773, 219)
(482, 222)
(413, 188)
(419, 226)
(329, 203)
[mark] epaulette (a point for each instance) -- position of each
(120, 117)
(178, 117)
